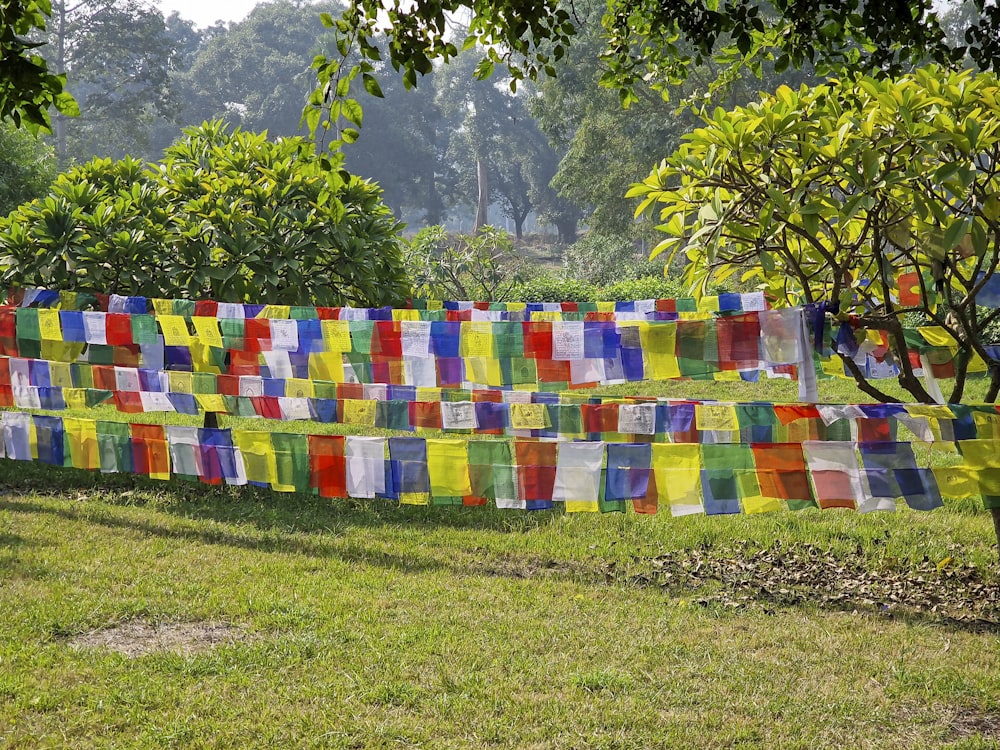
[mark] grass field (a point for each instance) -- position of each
(143, 614)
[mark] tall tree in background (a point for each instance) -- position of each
(27, 167)
(605, 148)
(256, 74)
(478, 111)
(403, 146)
(501, 155)
(116, 55)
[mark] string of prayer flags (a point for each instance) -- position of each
(417, 309)
(709, 478)
(502, 354)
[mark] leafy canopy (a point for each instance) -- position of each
(650, 41)
(832, 193)
(27, 88)
(227, 215)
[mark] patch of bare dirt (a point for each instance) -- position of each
(970, 723)
(138, 638)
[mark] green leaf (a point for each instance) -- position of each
(352, 111)
(955, 232)
(371, 86)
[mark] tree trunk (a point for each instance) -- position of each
(567, 231)
(995, 512)
(60, 119)
(482, 212)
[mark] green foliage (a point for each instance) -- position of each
(830, 192)
(116, 55)
(659, 42)
(479, 267)
(546, 287)
(28, 90)
(227, 215)
(602, 259)
(647, 287)
(27, 168)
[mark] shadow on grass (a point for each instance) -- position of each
(726, 579)
(261, 507)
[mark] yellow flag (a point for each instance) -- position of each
(336, 335)
(83, 442)
(75, 398)
(211, 402)
(448, 466)
(716, 417)
(62, 351)
(709, 304)
(258, 456)
(202, 359)
(175, 330)
(956, 481)
(981, 454)
(659, 344)
(404, 314)
(357, 411)
(476, 339)
(483, 371)
(207, 330)
(278, 312)
(61, 374)
(299, 388)
(677, 470)
(414, 498)
(163, 307)
(548, 316)
(527, 416)
(327, 366)
(180, 382)
(49, 326)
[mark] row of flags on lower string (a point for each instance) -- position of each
(519, 474)
(545, 415)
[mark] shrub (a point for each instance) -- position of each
(649, 287)
(479, 267)
(544, 287)
(602, 259)
(227, 215)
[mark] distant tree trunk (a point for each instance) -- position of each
(434, 207)
(482, 212)
(567, 231)
(995, 512)
(60, 119)
(519, 220)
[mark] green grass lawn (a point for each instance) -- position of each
(362, 624)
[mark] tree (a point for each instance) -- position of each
(255, 74)
(482, 266)
(836, 192)
(228, 215)
(27, 167)
(661, 41)
(403, 147)
(605, 148)
(501, 154)
(116, 55)
(28, 88)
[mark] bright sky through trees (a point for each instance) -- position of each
(206, 13)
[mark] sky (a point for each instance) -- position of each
(205, 12)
